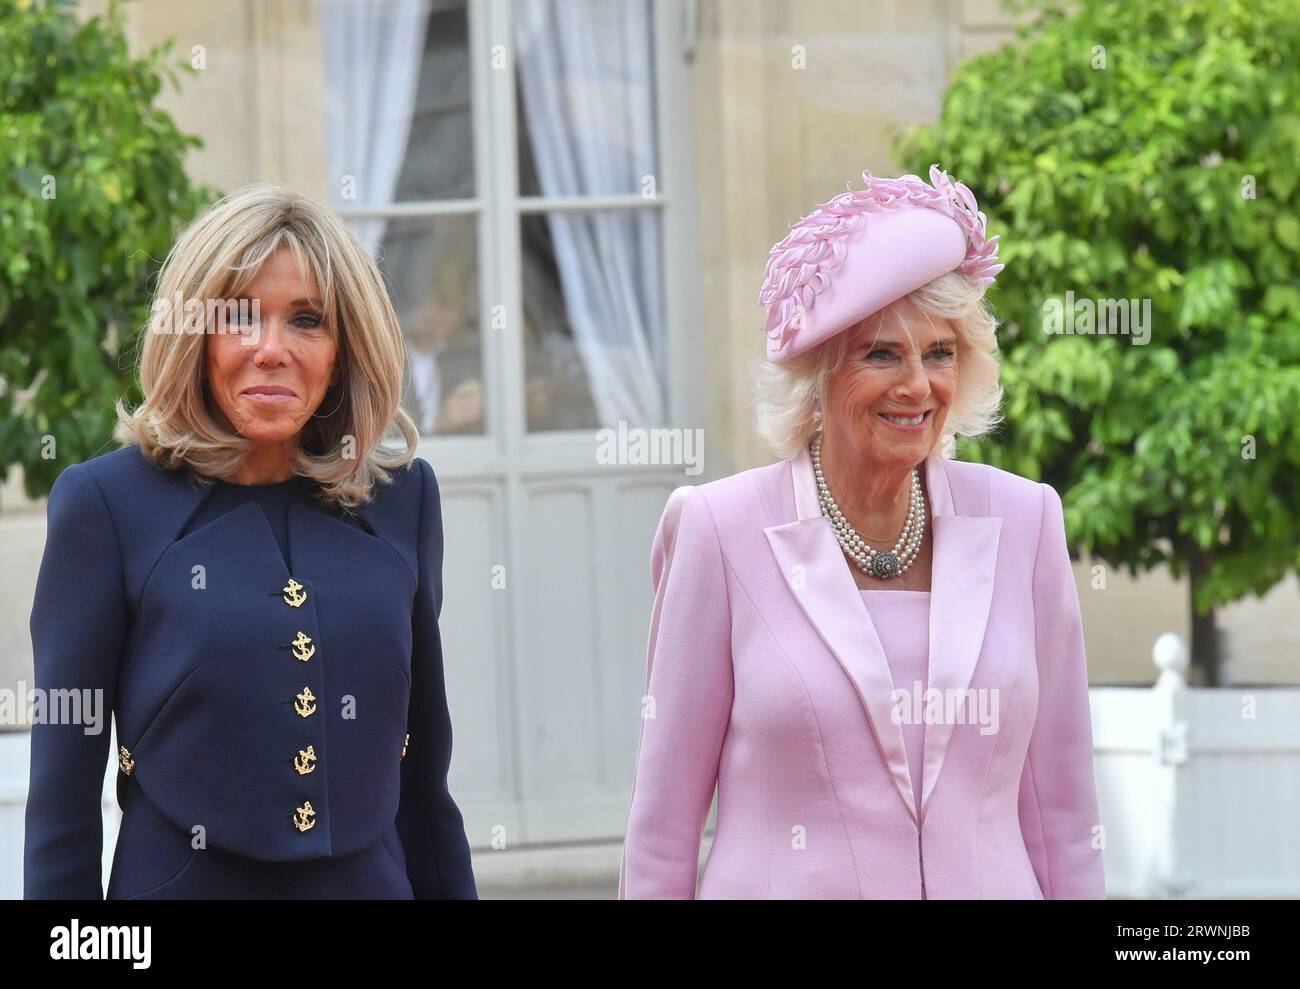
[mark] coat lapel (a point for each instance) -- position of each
(818, 575)
(961, 593)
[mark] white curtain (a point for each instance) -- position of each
(586, 72)
(372, 50)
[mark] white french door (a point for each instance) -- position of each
(547, 584)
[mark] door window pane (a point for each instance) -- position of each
(439, 162)
(431, 265)
(595, 347)
(585, 72)
(397, 101)
(594, 314)
(400, 125)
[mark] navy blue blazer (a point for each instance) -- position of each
(281, 733)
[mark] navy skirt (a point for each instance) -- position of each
(154, 860)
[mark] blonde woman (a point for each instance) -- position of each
(252, 588)
(872, 651)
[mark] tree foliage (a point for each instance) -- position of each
(92, 193)
(1146, 151)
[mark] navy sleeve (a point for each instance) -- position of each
(78, 624)
(428, 821)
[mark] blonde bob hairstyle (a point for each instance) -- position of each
(788, 396)
(178, 426)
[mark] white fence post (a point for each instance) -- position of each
(1168, 879)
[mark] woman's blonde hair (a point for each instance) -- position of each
(788, 396)
(215, 259)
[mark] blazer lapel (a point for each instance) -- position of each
(818, 575)
(961, 592)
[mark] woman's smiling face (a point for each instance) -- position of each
(899, 365)
(269, 375)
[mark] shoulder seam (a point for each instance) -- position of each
(1033, 581)
(722, 554)
(375, 533)
(1042, 530)
(762, 500)
(112, 523)
(419, 532)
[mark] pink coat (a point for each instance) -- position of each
(767, 679)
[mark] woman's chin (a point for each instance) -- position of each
(264, 431)
(891, 446)
(275, 413)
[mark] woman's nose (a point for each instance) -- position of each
(915, 381)
(270, 344)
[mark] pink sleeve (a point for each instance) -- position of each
(686, 708)
(1058, 796)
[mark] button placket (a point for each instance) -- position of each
(295, 594)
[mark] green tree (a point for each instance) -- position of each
(92, 193)
(1147, 151)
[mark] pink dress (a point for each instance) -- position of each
(902, 621)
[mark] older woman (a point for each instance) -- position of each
(872, 650)
(253, 587)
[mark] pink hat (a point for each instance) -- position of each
(861, 251)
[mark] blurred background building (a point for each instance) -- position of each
(573, 204)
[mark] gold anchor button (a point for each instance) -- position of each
(294, 593)
(304, 817)
(124, 760)
(305, 761)
(300, 647)
(305, 703)
(404, 745)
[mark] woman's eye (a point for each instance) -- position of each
(308, 321)
(880, 354)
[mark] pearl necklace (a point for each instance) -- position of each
(888, 563)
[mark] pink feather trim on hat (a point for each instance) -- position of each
(800, 266)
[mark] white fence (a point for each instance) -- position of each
(1199, 789)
